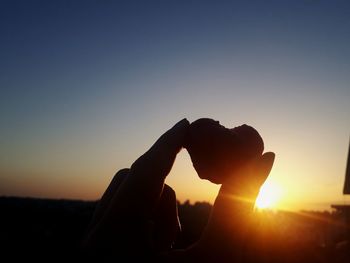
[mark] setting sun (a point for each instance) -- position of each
(269, 196)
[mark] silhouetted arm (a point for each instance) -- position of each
(124, 220)
(231, 222)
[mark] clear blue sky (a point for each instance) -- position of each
(87, 86)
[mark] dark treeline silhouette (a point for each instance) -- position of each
(50, 230)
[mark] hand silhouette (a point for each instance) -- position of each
(231, 225)
(137, 215)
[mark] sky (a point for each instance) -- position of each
(88, 86)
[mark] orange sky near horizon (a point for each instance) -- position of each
(315, 189)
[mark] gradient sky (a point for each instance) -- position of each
(88, 86)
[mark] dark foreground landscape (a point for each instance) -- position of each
(52, 230)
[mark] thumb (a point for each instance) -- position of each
(261, 170)
(264, 166)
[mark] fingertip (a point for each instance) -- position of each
(181, 124)
(269, 156)
(161, 156)
(122, 172)
(174, 138)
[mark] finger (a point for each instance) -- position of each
(166, 220)
(104, 202)
(260, 172)
(140, 193)
(159, 159)
(264, 165)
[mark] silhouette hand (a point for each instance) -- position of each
(231, 223)
(137, 214)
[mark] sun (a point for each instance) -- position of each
(269, 196)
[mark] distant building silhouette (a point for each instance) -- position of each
(344, 209)
(346, 189)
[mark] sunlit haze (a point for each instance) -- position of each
(87, 87)
(269, 196)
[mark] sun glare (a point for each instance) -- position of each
(269, 195)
